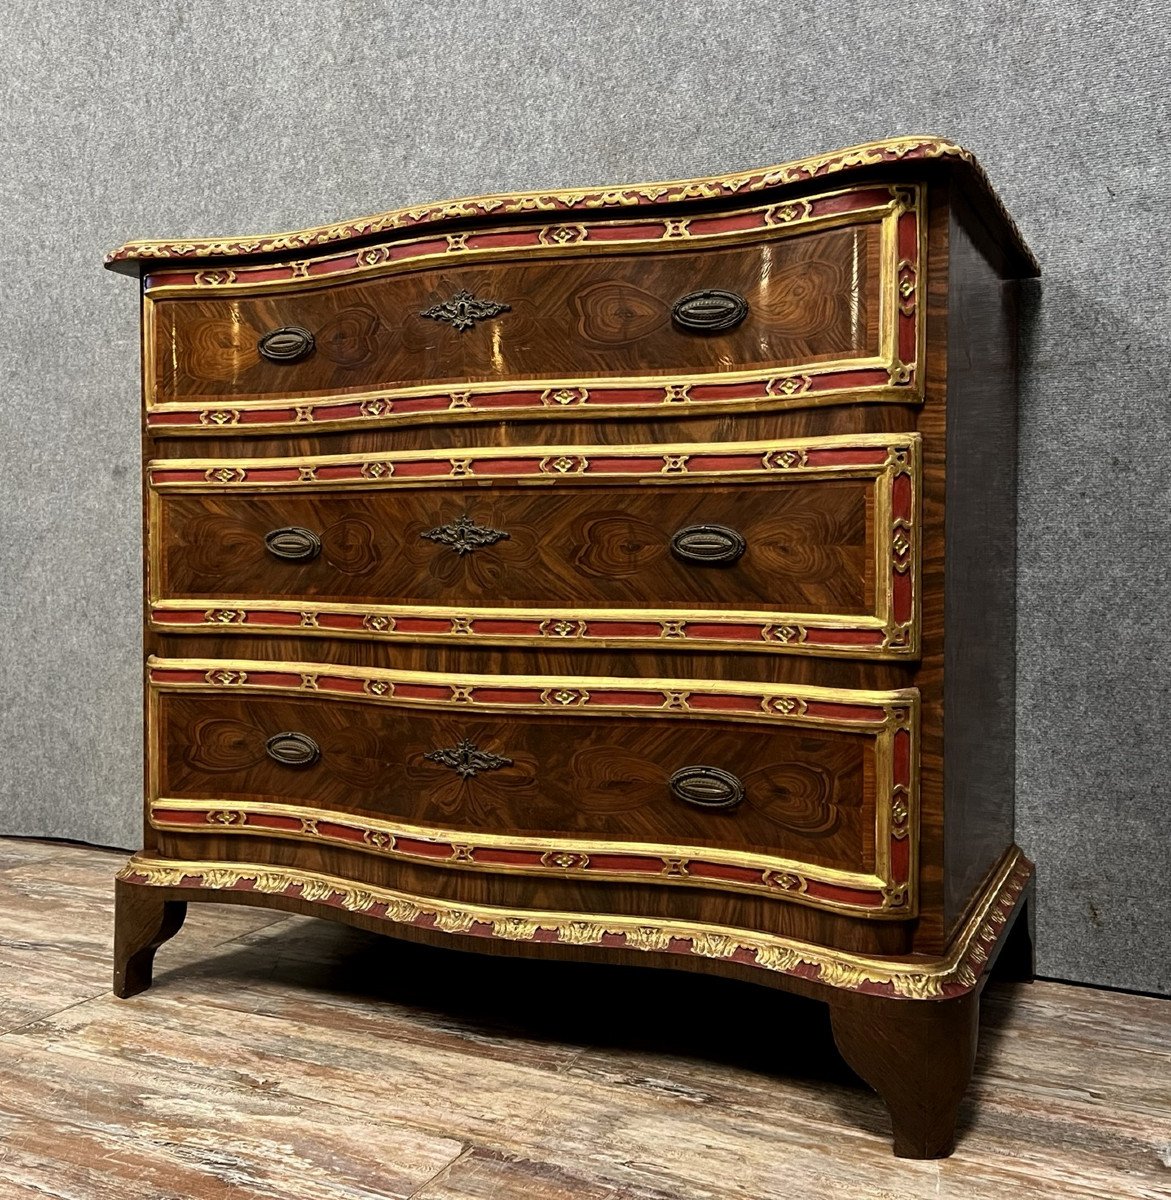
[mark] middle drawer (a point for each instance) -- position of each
(808, 546)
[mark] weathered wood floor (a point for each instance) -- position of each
(293, 1059)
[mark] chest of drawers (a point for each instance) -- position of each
(623, 575)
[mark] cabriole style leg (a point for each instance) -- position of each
(918, 1056)
(143, 921)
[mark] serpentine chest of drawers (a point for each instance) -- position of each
(623, 575)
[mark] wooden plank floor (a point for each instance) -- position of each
(287, 1058)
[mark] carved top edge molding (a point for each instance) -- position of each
(840, 162)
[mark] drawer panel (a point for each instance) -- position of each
(769, 307)
(611, 779)
(807, 547)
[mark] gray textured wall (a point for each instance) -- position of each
(153, 119)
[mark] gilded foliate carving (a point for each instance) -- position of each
(454, 921)
(714, 945)
(515, 929)
(582, 933)
(648, 937)
(915, 987)
(405, 912)
(270, 882)
(357, 900)
(776, 958)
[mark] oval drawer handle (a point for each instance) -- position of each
(293, 749)
(709, 311)
(714, 545)
(289, 344)
(293, 543)
(706, 787)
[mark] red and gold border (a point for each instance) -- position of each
(858, 893)
(954, 974)
(892, 631)
(891, 375)
(890, 717)
(588, 237)
(917, 148)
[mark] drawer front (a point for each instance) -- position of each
(769, 307)
(804, 793)
(806, 547)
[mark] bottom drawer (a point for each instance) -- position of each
(804, 793)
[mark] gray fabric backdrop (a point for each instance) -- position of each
(153, 119)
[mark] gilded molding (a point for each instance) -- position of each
(841, 162)
(597, 236)
(952, 975)
(720, 869)
(724, 700)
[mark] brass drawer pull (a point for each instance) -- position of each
(293, 543)
(709, 311)
(706, 787)
(293, 749)
(715, 545)
(287, 345)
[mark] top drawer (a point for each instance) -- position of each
(783, 305)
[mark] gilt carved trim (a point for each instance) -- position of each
(839, 163)
(953, 974)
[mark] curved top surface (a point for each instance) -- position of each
(616, 196)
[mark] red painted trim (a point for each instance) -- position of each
(590, 861)
(315, 410)
(844, 637)
(592, 231)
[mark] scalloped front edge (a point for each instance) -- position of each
(924, 979)
(840, 162)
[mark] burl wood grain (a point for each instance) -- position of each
(812, 297)
(807, 796)
(810, 546)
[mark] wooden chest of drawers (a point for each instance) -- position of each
(621, 574)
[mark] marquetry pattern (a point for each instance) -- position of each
(908, 149)
(891, 376)
(891, 718)
(892, 461)
(952, 975)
